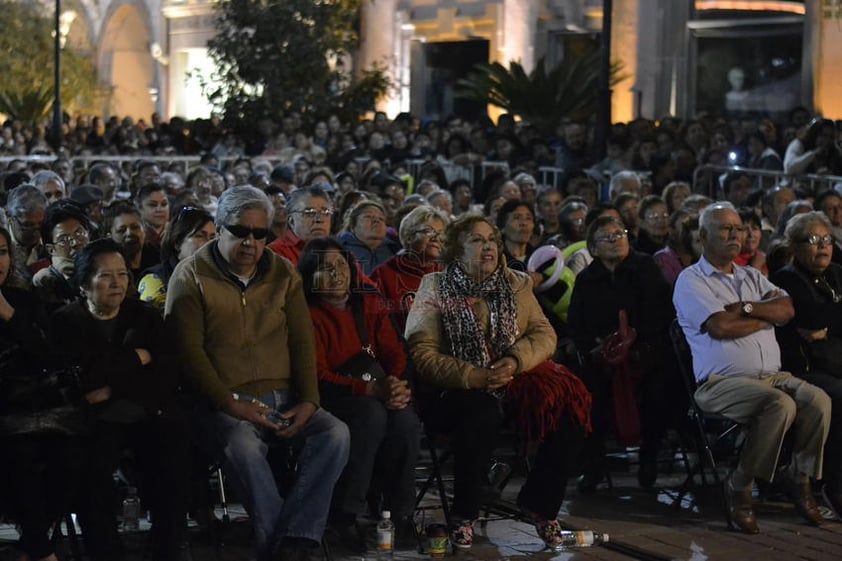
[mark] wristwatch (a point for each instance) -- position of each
(747, 308)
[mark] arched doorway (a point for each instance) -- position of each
(126, 65)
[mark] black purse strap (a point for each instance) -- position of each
(359, 321)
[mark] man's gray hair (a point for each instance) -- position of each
(413, 221)
(706, 216)
(243, 197)
(297, 200)
(798, 227)
(45, 176)
(25, 199)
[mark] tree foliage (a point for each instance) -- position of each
(274, 56)
(543, 97)
(26, 64)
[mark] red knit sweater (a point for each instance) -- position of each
(398, 280)
(337, 341)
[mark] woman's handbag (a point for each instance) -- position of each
(47, 400)
(617, 355)
(363, 365)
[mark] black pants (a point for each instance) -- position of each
(40, 476)
(384, 446)
(473, 418)
(662, 404)
(162, 451)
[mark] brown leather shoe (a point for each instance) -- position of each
(740, 513)
(805, 503)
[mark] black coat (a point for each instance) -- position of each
(813, 299)
(636, 285)
(77, 336)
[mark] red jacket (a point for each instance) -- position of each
(398, 280)
(289, 246)
(337, 341)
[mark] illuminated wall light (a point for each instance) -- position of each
(790, 7)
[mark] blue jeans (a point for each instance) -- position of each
(323, 445)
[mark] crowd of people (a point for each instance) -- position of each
(304, 322)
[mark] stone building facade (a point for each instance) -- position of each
(147, 50)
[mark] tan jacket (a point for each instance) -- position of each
(251, 341)
(430, 350)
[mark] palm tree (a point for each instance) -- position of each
(542, 98)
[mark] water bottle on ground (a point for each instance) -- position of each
(131, 510)
(585, 538)
(385, 537)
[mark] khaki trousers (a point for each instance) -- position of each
(768, 406)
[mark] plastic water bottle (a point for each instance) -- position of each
(385, 537)
(585, 538)
(131, 510)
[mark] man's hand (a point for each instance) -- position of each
(144, 355)
(811, 335)
(300, 415)
(251, 411)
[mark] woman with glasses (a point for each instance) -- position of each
(654, 225)
(421, 233)
(647, 396)
(365, 235)
(189, 230)
(385, 432)
(811, 344)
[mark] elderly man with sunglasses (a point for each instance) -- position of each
(243, 328)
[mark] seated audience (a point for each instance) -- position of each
(647, 396)
(365, 235)
(122, 223)
(129, 379)
(350, 325)
(811, 344)
(188, 231)
(310, 211)
(39, 480)
(421, 234)
(245, 338)
(480, 344)
(728, 314)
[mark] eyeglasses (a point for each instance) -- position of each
(243, 232)
(76, 239)
(312, 213)
(612, 237)
(656, 217)
(821, 241)
(430, 234)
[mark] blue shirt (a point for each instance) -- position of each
(701, 291)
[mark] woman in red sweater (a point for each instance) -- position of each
(398, 278)
(361, 382)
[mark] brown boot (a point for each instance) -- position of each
(740, 513)
(805, 503)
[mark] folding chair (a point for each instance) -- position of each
(698, 417)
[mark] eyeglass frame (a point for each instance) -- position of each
(613, 237)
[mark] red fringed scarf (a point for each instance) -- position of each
(539, 399)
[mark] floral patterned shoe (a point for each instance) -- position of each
(462, 534)
(550, 532)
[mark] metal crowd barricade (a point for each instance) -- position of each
(706, 179)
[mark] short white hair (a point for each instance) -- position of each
(706, 216)
(618, 178)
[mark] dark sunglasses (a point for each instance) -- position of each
(242, 232)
